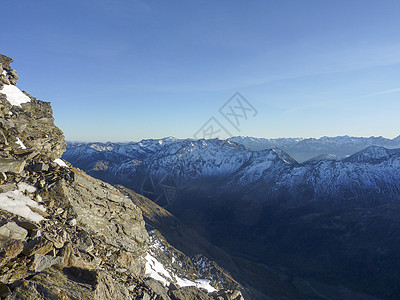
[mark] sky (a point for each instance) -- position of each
(126, 70)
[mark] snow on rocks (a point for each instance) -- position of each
(21, 144)
(17, 202)
(14, 95)
(162, 264)
(157, 271)
(60, 162)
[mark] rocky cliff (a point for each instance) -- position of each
(66, 235)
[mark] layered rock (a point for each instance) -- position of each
(7, 75)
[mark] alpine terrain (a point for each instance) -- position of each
(66, 235)
(326, 227)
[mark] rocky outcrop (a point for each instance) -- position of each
(7, 75)
(63, 234)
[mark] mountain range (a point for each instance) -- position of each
(188, 162)
(306, 149)
(329, 223)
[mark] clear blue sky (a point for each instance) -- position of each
(124, 70)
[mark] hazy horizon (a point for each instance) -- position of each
(189, 138)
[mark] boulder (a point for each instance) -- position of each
(157, 288)
(15, 166)
(5, 62)
(43, 262)
(9, 249)
(13, 231)
(38, 245)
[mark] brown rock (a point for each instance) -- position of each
(13, 231)
(189, 293)
(42, 262)
(4, 79)
(38, 246)
(70, 283)
(9, 249)
(12, 165)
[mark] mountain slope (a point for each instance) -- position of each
(66, 235)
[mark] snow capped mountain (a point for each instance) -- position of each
(307, 149)
(372, 172)
(185, 160)
(374, 154)
(269, 207)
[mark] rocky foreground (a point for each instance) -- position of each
(65, 235)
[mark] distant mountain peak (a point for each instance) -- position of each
(371, 154)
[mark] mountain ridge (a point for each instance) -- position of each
(66, 235)
(314, 218)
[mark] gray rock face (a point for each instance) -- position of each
(5, 62)
(33, 125)
(43, 262)
(70, 283)
(13, 231)
(11, 76)
(12, 165)
(104, 211)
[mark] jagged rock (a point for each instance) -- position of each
(42, 262)
(69, 283)
(12, 165)
(5, 62)
(84, 242)
(13, 76)
(104, 211)
(35, 121)
(30, 226)
(13, 231)
(189, 293)
(228, 295)
(129, 261)
(9, 249)
(157, 288)
(40, 167)
(38, 246)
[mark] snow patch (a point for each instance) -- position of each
(156, 270)
(60, 162)
(14, 95)
(205, 284)
(4, 73)
(20, 143)
(18, 203)
(26, 188)
(199, 283)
